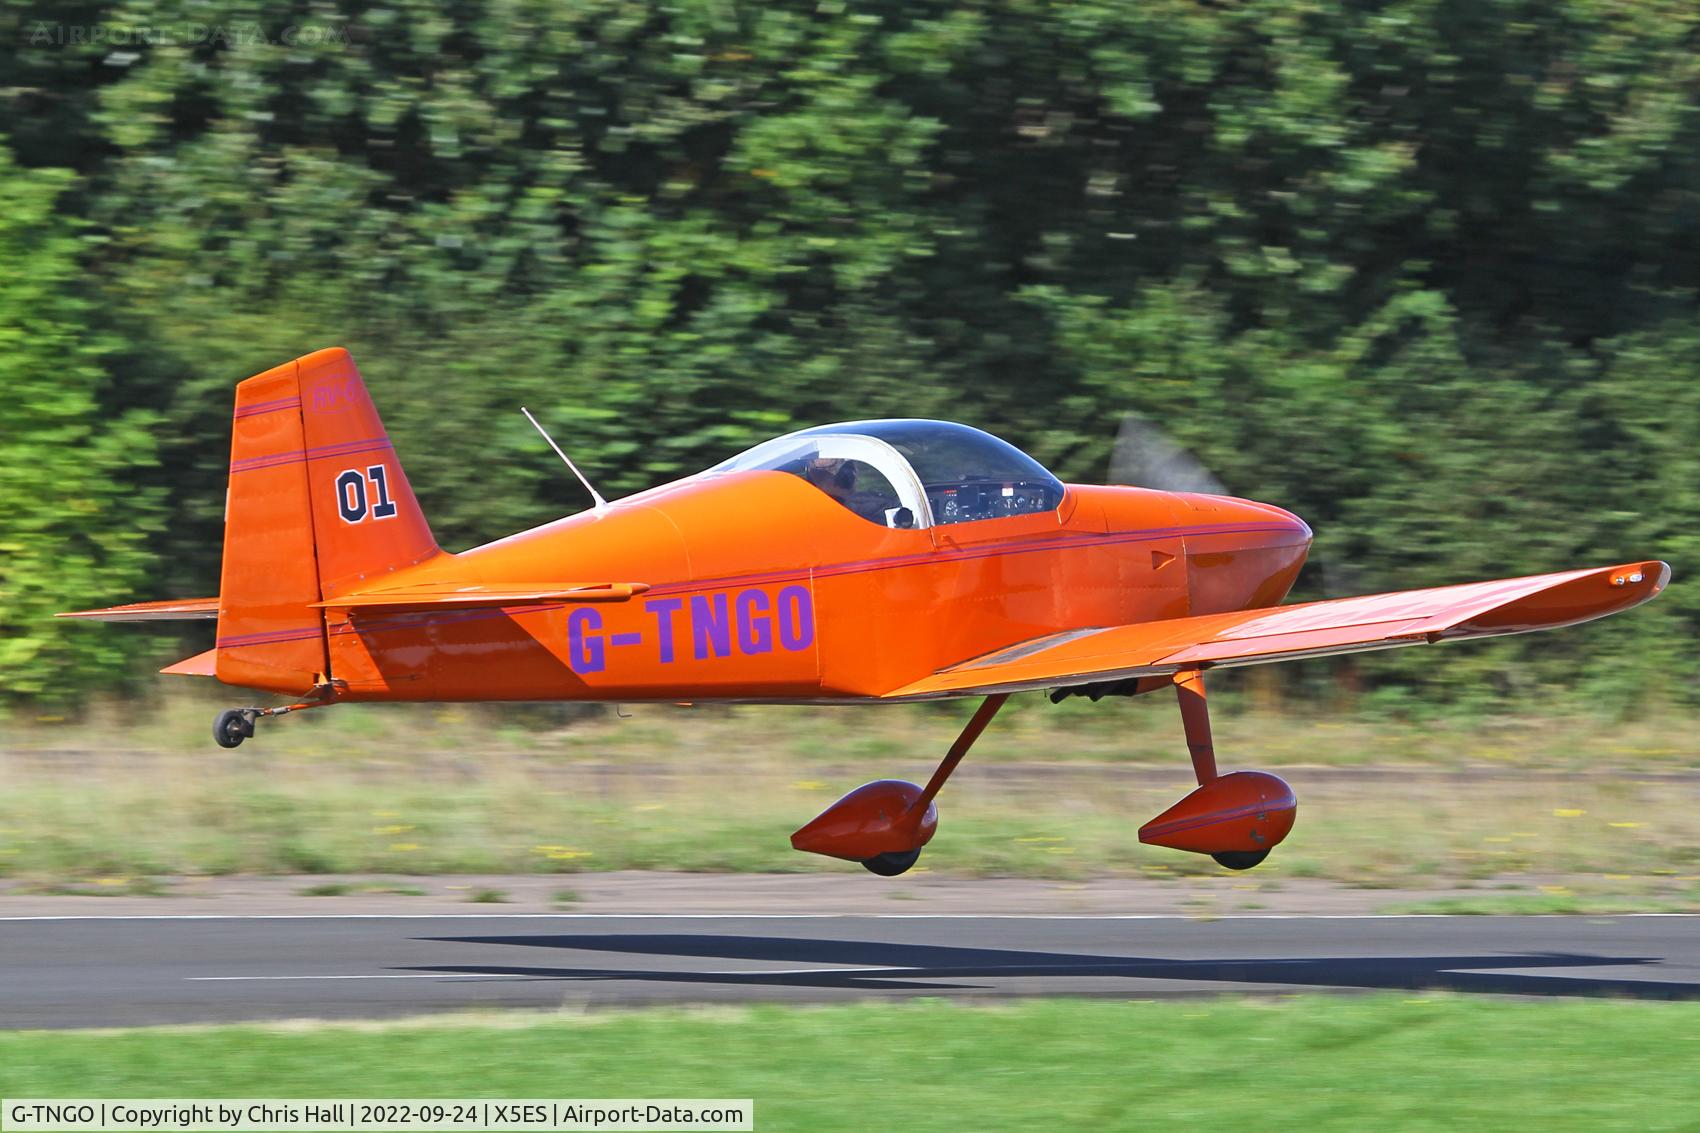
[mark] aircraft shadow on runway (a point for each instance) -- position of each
(890, 966)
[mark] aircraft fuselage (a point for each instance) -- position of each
(762, 587)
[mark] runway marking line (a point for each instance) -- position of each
(1537, 971)
(364, 976)
(510, 975)
(837, 916)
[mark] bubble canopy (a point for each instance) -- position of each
(910, 472)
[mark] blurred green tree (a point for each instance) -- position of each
(73, 531)
(1394, 265)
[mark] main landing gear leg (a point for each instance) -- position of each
(884, 824)
(1236, 819)
(970, 732)
(234, 725)
(1195, 717)
(890, 865)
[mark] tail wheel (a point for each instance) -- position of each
(232, 727)
(1240, 859)
(890, 865)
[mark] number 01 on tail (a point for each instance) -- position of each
(357, 504)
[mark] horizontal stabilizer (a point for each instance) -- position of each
(200, 665)
(1307, 629)
(453, 596)
(174, 610)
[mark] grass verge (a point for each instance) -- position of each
(1252, 728)
(110, 828)
(421, 790)
(1566, 904)
(1305, 1062)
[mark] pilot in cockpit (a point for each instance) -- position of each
(839, 478)
(832, 475)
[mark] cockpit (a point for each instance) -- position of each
(910, 473)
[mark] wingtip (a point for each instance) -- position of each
(1653, 574)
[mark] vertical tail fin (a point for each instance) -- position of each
(317, 505)
(365, 518)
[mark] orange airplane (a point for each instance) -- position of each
(868, 562)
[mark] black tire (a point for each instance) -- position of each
(1240, 859)
(890, 865)
(231, 728)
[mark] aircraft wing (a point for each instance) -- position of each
(1309, 629)
(457, 596)
(172, 610)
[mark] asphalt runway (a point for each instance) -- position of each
(119, 971)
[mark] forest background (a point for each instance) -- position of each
(1423, 271)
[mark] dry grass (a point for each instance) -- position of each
(1578, 806)
(1254, 727)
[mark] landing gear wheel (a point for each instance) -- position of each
(232, 727)
(1240, 859)
(890, 865)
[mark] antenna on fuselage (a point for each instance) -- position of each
(594, 494)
